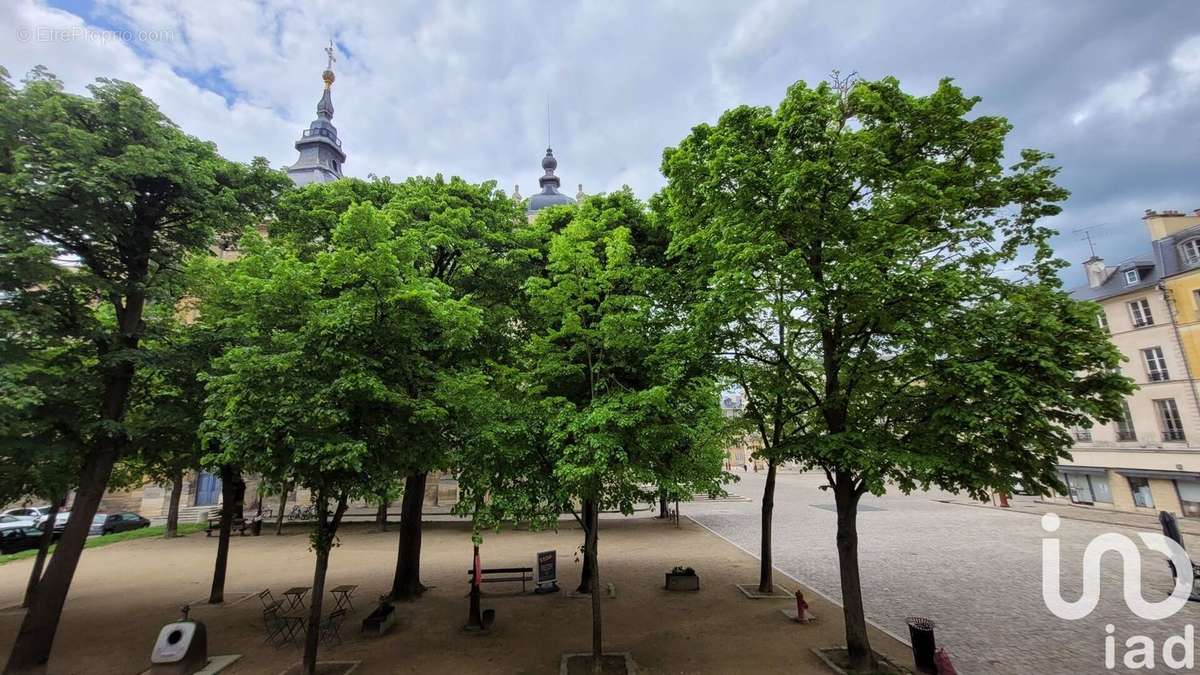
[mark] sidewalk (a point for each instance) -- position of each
(1036, 507)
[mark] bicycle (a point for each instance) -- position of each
(301, 513)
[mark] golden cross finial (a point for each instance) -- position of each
(329, 53)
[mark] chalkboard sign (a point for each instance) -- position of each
(546, 570)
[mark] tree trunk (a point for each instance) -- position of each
(239, 496)
(592, 551)
(585, 575)
(381, 515)
(282, 505)
(326, 531)
(662, 505)
(173, 508)
(43, 548)
(228, 507)
(407, 583)
(858, 645)
(35, 638)
(766, 582)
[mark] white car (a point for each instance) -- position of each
(34, 514)
(10, 522)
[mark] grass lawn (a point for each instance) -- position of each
(105, 540)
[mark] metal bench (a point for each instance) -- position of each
(521, 574)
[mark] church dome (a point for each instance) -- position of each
(549, 196)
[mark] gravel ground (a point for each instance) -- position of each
(976, 571)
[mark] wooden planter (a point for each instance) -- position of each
(683, 582)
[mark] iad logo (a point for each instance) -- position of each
(1131, 559)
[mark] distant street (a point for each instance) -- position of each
(975, 571)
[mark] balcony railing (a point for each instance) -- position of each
(1173, 435)
(1126, 435)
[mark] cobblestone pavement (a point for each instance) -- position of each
(976, 571)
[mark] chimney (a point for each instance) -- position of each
(1096, 271)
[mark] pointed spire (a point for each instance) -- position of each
(325, 105)
(321, 154)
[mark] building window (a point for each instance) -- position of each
(1082, 434)
(1156, 365)
(1102, 318)
(1139, 311)
(1132, 277)
(1140, 487)
(1190, 250)
(1189, 497)
(1196, 297)
(1086, 489)
(1125, 430)
(1169, 419)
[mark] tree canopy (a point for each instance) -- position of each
(103, 196)
(884, 288)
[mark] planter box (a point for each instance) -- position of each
(379, 621)
(683, 582)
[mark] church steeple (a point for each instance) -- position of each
(321, 154)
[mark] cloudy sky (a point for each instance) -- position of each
(1111, 87)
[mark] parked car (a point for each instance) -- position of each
(35, 514)
(10, 522)
(60, 521)
(108, 523)
(16, 539)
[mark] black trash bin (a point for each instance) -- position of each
(920, 631)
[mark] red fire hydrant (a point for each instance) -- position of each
(802, 613)
(944, 667)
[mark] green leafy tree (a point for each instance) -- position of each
(612, 397)
(926, 338)
(463, 234)
(44, 380)
(167, 403)
(114, 191)
(314, 391)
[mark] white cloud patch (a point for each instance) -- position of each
(461, 89)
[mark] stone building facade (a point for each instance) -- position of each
(1149, 461)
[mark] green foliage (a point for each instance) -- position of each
(167, 401)
(883, 288)
(100, 198)
(603, 403)
(316, 388)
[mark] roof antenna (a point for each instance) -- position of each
(549, 124)
(1085, 233)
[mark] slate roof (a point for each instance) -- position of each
(1164, 260)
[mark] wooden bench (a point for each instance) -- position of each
(521, 574)
(240, 524)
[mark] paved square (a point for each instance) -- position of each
(976, 571)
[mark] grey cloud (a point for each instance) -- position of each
(461, 88)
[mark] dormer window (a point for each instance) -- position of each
(1132, 277)
(1190, 252)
